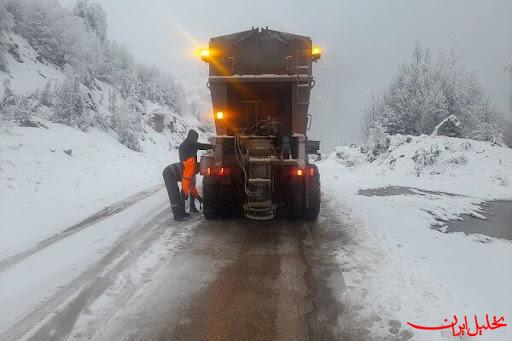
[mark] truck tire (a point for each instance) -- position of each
(210, 200)
(314, 196)
(296, 198)
(225, 201)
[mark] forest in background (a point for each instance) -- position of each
(427, 91)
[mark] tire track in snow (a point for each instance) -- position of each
(87, 222)
(92, 283)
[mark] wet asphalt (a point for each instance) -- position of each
(226, 280)
(245, 280)
(280, 284)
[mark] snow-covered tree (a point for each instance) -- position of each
(125, 120)
(6, 24)
(71, 104)
(509, 68)
(55, 33)
(490, 126)
(377, 141)
(425, 92)
(76, 42)
(118, 68)
(94, 17)
(16, 109)
(507, 132)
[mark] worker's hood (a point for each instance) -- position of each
(192, 135)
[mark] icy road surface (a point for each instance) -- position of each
(131, 273)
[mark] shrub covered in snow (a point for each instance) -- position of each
(19, 110)
(94, 82)
(71, 108)
(432, 158)
(425, 92)
(425, 157)
(350, 156)
(377, 141)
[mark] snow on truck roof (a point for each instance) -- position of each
(259, 33)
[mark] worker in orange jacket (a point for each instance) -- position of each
(187, 149)
(188, 181)
(183, 172)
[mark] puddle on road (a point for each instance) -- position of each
(398, 190)
(498, 213)
(497, 225)
(387, 191)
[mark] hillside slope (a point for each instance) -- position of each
(53, 175)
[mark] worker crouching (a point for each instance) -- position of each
(183, 172)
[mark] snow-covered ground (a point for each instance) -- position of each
(53, 178)
(398, 268)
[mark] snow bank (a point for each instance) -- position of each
(53, 178)
(461, 166)
(397, 268)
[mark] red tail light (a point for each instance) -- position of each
(218, 171)
(223, 171)
(303, 172)
(297, 172)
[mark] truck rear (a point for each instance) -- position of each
(260, 82)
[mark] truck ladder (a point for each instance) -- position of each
(259, 204)
(303, 73)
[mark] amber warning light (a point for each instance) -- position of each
(316, 53)
(204, 53)
(219, 115)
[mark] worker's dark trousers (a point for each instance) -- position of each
(171, 183)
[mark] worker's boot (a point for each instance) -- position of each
(185, 214)
(193, 208)
(179, 213)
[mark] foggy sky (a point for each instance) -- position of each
(363, 42)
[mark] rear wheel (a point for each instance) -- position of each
(217, 200)
(314, 196)
(210, 200)
(225, 203)
(296, 198)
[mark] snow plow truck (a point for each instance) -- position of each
(260, 82)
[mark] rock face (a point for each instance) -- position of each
(158, 122)
(450, 126)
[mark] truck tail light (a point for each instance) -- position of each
(303, 172)
(223, 171)
(218, 171)
(297, 172)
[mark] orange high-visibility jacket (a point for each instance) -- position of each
(189, 171)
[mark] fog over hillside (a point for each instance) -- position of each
(363, 41)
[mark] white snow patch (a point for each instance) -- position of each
(398, 267)
(53, 178)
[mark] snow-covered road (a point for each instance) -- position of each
(130, 272)
(369, 265)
